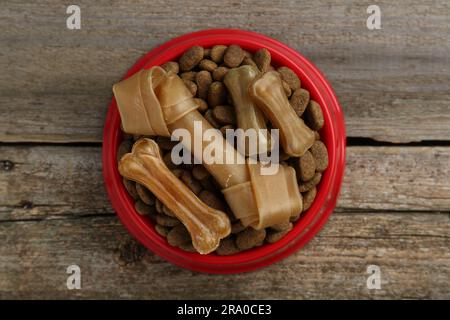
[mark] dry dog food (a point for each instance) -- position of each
(203, 71)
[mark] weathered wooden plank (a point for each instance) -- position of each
(393, 83)
(411, 249)
(48, 181)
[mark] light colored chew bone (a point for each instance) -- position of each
(267, 92)
(205, 224)
(237, 81)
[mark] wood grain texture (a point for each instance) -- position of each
(49, 181)
(410, 249)
(393, 83)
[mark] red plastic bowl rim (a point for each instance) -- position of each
(308, 225)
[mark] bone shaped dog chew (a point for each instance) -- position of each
(267, 91)
(205, 224)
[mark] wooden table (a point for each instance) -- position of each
(394, 210)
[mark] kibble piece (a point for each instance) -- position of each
(191, 86)
(250, 238)
(145, 195)
(203, 80)
(199, 172)
(144, 209)
(158, 205)
(249, 62)
(212, 200)
(189, 75)
(165, 143)
(219, 73)
(287, 225)
(224, 115)
(161, 230)
(308, 185)
(207, 52)
(191, 58)
(308, 198)
(227, 247)
(209, 117)
(207, 65)
(217, 94)
(237, 227)
(274, 236)
(262, 59)
(177, 172)
(320, 154)
(306, 167)
(192, 183)
(202, 105)
(167, 159)
(188, 247)
(124, 148)
(130, 186)
(171, 67)
(168, 212)
(217, 53)
(299, 101)
(167, 221)
(316, 135)
(233, 56)
(290, 77)
(286, 88)
(314, 116)
(178, 236)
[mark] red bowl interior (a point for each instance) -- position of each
(332, 134)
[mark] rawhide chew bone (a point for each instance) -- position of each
(240, 186)
(267, 92)
(248, 116)
(205, 224)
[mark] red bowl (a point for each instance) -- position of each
(332, 134)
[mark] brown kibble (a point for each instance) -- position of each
(207, 52)
(203, 80)
(320, 154)
(192, 183)
(161, 230)
(316, 135)
(233, 56)
(220, 73)
(177, 172)
(130, 186)
(212, 200)
(237, 227)
(249, 62)
(207, 65)
(227, 247)
(287, 225)
(225, 128)
(286, 88)
(262, 59)
(314, 116)
(144, 209)
(171, 67)
(224, 115)
(217, 53)
(299, 101)
(178, 236)
(199, 172)
(202, 105)
(188, 247)
(145, 195)
(167, 221)
(159, 206)
(306, 167)
(209, 117)
(217, 94)
(290, 77)
(250, 238)
(165, 143)
(189, 75)
(308, 198)
(191, 58)
(168, 212)
(124, 148)
(274, 236)
(167, 159)
(308, 185)
(191, 86)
